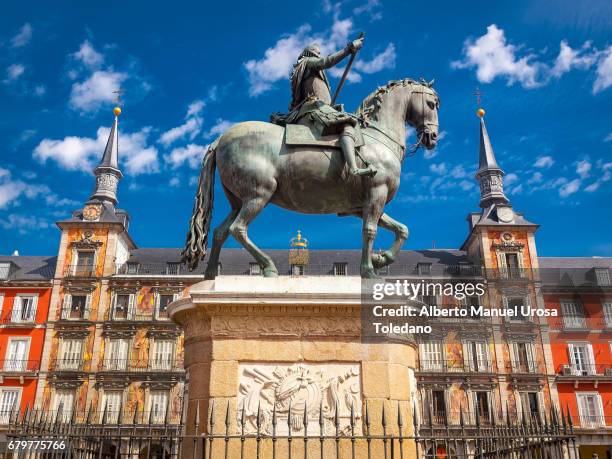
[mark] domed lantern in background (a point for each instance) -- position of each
(298, 254)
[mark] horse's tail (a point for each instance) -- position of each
(199, 225)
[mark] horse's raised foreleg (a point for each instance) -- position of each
(249, 210)
(401, 234)
(372, 210)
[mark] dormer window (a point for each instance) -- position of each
(132, 268)
(173, 268)
(424, 269)
(4, 270)
(254, 269)
(602, 275)
(297, 270)
(340, 269)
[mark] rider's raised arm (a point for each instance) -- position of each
(320, 63)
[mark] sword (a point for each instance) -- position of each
(346, 71)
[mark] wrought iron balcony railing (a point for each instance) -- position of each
(75, 313)
(19, 366)
(138, 316)
(19, 317)
(511, 273)
(585, 369)
(136, 365)
(72, 364)
(442, 366)
(524, 366)
(80, 270)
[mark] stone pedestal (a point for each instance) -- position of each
(251, 342)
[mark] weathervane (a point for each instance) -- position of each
(119, 92)
(480, 111)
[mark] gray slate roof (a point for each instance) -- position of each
(29, 268)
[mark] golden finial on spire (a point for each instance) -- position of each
(480, 112)
(117, 111)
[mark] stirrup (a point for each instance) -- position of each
(369, 171)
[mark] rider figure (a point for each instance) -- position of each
(311, 96)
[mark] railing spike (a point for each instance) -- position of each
(400, 421)
(274, 415)
(367, 417)
(289, 419)
(211, 418)
(305, 417)
(197, 418)
(384, 416)
(258, 420)
(227, 414)
(321, 419)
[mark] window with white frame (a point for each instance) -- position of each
(63, 401)
(340, 269)
(482, 409)
(476, 356)
(123, 307)
(607, 308)
(254, 269)
(516, 303)
(163, 300)
(84, 262)
(424, 269)
(111, 406)
(162, 354)
(158, 405)
(297, 270)
(76, 305)
(70, 354)
(5, 268)
(582, 359)
(510, 264)
(573, 315)
(522, 357)
(116, 354)
(531, 406)
(9, 401)
(602, 275)
(590, 409)
(16, 354)
(24, 308)
(431, 355)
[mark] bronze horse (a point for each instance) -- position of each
(257, 167)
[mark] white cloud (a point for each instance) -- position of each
(82, 153)
(439, 169)
(40, 90)
(371, 8)
(608, 138)
(279, 59)
(536, 177)
(604, 71)
(12, 189)
(219, 128)
(13, 72)
(384, 60)
(544, 162)
(569, 188)
(192, 154)
(88, 55)
(190, 128)
(583, 168)
(494, 57)
(174, 182)
(96, 90)
(23, 37)
(510, 179)
(23, 223)
(569, 58)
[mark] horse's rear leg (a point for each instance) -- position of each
(401, 234)
(220, 235)
(249, 210)
(372, 210)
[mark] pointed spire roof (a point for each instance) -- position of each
(107, 172)
(487, 159)
(110, 158)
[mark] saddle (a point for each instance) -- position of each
(300, 134)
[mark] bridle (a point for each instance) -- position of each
(422, 129)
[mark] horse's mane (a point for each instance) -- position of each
(370, 106)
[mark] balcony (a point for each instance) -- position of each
(524, 367)
(574, 323)
(593, 421)
(19, 366)
(585, 369)
(156, 269)
(75, 313)
(72, 364)
(470, 418)
(19, 318)
(80, 270)
(140, 366)
(131, 316)
(439, 366)
(511, 274)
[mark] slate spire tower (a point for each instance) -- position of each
(107, 172)
(489, 174)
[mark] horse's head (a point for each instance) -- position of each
(422, 113)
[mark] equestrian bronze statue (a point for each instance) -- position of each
(306, 161)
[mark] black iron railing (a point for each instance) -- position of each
(19, 366)
(75, 313)
(393, 431)
(444, 366)
(80, 270)
(585, 369)
(132, 365)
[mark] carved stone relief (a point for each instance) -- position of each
(302, 386)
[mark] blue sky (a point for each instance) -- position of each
(190, 69)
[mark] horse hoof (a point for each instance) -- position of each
(270, 272)
(380, 260)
